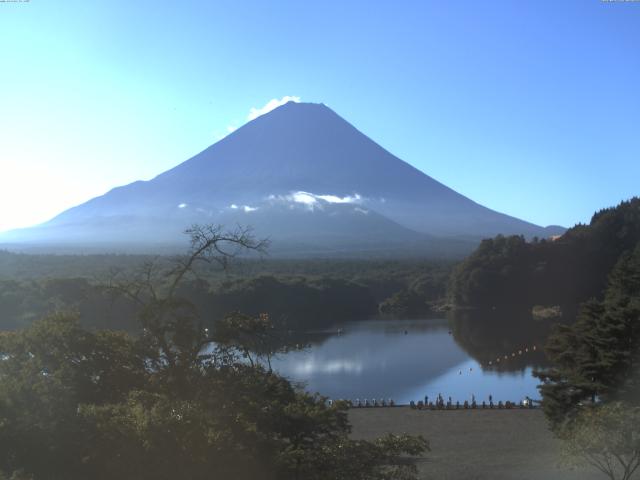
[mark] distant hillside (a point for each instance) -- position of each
(302, 176)
(511, 272)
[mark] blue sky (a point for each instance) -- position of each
(530, 107)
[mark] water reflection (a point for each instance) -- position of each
(504, 341)
(408, 359)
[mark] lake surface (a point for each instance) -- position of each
(377, 359)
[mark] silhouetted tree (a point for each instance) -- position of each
(598, 356)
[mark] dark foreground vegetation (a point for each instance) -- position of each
(167, 404)
(77, 405)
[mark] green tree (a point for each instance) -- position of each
(47, 373)
(76, 404)
(607, 437)
(597, 356)
(512, 273)
(255, 337)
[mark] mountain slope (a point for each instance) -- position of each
(300, 161)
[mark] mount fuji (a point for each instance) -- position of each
(300, 175)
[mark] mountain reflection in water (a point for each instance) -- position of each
(408, 359)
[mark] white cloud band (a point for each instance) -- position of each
(312, 200)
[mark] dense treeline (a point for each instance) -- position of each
(22, 302)
(591, 393)
(591, 390)
(24, 266)
(591, 384)
(597, 357)
(329, 292)
(424, 295)
(511, 272)
(297, 302)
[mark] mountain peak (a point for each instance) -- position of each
(297, 147)
(303, 105)
(298, 109)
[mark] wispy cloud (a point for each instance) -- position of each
(270, 105)
(245, 208)
(302, 197)
(312, 200)
(335, 199)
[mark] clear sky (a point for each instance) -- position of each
(530, 107)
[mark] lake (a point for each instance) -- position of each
(408, 359)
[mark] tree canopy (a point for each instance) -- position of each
(566, 271)
(607, 438)
(599, 355)
(167, 404)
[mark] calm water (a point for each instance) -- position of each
(378, 359)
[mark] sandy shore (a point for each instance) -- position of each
(474, 444)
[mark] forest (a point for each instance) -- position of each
(298, 294)
(590, 387)
(511, 272)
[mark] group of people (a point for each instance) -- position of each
(440, 404)
(374, 402)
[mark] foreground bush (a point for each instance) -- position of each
(76, 404)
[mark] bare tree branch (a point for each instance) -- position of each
(210, 243)
(153, 288)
